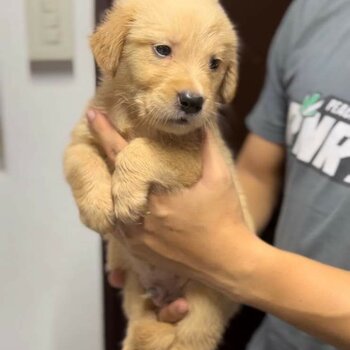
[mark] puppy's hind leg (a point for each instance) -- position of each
(144, 331)
(203, 327)
(146, 334)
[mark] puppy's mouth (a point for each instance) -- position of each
(184, 118)
(179, 121)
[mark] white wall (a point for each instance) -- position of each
(50, 279)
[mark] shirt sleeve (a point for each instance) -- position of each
(268, 117)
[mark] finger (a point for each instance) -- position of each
(116, 278)
(111, 140)
(214, 164)
(129, 230)
(174, 312)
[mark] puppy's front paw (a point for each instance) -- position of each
(98, 215)
(130, 199)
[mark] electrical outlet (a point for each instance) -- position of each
(50, 30)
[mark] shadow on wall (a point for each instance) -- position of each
(44, 68)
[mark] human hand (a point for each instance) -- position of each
(199, 230)
(111, 141)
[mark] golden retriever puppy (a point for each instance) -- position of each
(167, 66)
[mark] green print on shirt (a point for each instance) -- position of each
(310, 105)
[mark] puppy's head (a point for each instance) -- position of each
(174, 61)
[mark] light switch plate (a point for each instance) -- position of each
(50, 30)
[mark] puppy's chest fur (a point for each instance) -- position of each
(178, 156)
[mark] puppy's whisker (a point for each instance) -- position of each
(216, 103)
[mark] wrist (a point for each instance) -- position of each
(242, 255)
(254, 281)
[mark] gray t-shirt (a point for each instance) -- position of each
(305, 105)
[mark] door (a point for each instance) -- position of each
(256, 22)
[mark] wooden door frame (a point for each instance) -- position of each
(113, 318)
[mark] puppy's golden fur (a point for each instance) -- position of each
(140, 94)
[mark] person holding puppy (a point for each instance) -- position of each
(301, 124)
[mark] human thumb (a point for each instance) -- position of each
(214, 165)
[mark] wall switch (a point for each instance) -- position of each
(50, 30)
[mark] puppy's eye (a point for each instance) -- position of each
(214, 63)
(162, 50)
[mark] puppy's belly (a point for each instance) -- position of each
(161, 286)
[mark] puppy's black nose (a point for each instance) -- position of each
(190, 102)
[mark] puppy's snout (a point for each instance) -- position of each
(190, 102)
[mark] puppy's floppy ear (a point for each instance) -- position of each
(229, 83)
(108, 40)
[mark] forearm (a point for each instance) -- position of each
(261, 195)
(260, 172)
(312, 296)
